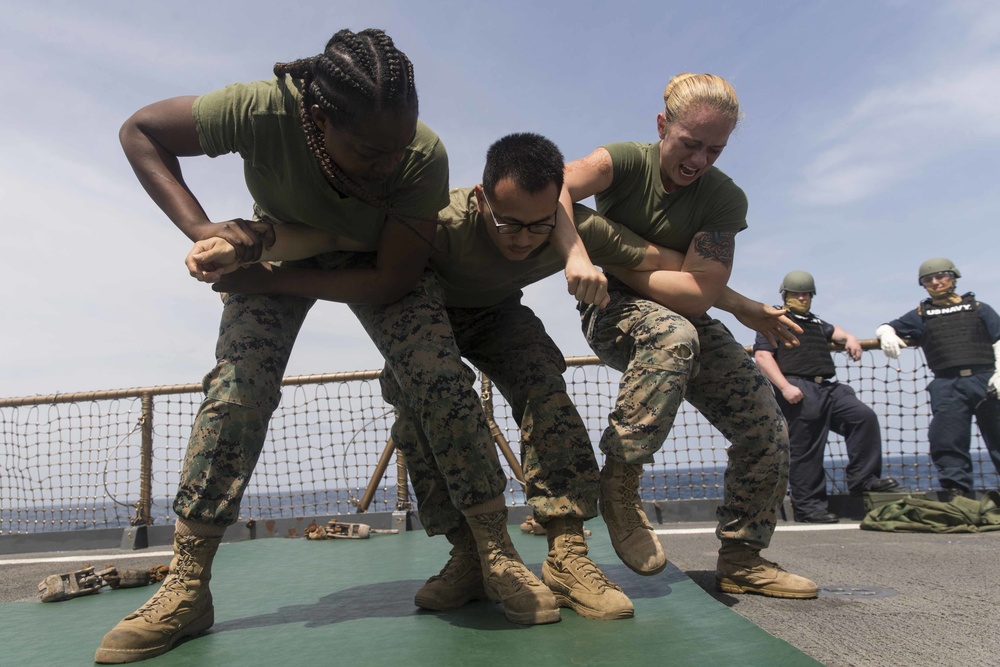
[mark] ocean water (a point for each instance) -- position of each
(915, 472)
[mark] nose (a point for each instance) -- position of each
(522, 237)
(700, 158)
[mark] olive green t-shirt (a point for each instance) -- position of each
(475, 274)
(636, 199)
(260, 121)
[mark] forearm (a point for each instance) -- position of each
(359, 286)
(399, 262)
(159, 172)
(682, 292)
(769, 367)
(294, 241)
(660, 258)
(840, 336)
(564, 238)
(733, 302)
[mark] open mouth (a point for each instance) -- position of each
(687, 172)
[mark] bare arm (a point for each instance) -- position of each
(153, 139)
(583, 178)
(767, 320)
(849, 341)
(400, 261)
(696, 287)
(769, 367)
(211, 258)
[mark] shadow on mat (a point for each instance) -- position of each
(391, 599)
(639, 587)
(394, 599)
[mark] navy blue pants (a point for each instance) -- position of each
(825, 407)
(954, 402)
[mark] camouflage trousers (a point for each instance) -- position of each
(255, 340)
(664, 359)
(509, 344)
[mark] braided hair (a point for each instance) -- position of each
(356, 76)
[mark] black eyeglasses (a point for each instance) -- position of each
(940, 275)
(515, 227)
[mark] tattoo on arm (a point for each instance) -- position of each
(716, 246)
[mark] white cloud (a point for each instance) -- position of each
(895, 133)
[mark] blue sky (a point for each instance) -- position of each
(869, 144)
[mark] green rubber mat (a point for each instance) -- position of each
(296, 602)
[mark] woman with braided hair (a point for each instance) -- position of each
(332, 142)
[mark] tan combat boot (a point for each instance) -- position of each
(507, 579)
(181, 608)
(741, 569)
(576, 581)
(631, 533)
(460, 581)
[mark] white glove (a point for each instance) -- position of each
(889, 341)
(994, 383)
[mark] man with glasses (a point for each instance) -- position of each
(814, 403)
(495, 239)
(960, 337)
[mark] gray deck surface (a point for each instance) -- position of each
(886, 599)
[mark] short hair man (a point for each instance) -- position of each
(814, 403)
(960, 337)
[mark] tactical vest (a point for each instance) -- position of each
(954, 336)
(811, 358)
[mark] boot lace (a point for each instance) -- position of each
(504, 564)
(456, 568)
(576, 559)
(754, 566)
(174, 585)
(627, 496)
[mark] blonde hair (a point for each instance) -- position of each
(686, 90)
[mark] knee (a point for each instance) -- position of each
(224, 385)
(667, 342)
(423, 380)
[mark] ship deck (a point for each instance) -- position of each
(886, 599)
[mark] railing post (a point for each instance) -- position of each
(145, 504)
(486, 396)
(135, 536)
(403, 502)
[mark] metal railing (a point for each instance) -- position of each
(107, 459)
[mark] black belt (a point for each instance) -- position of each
(963, 372)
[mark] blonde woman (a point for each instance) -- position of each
(671, 194)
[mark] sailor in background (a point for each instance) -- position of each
(814, 403)
(960, 338)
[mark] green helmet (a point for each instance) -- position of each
(936, 265)
(798, 281)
